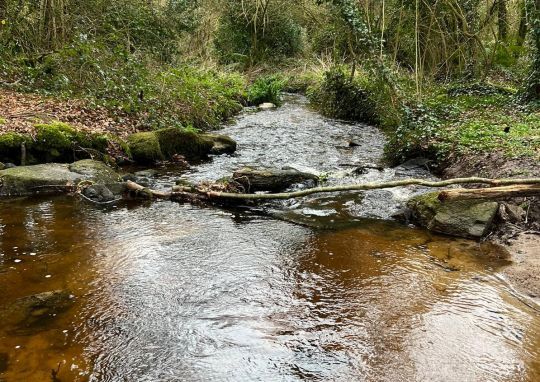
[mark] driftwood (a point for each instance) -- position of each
(200, 193)
(373, 186)
(490, 193)
(148, 193)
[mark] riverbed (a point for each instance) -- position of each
(323, 289)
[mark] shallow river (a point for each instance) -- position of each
(169, 292)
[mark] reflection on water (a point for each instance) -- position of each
(174, 293)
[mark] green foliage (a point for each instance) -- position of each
(266, 89)
(343, 97)
(189, 97)
(447, 125)
(247, 34)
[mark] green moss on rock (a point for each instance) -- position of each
(462, 218)
(163, 144)
(51, 177)
(145, 147)
(10, 146)
(187, 143)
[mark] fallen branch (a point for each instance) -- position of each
(148, 193)
(372, 186)
(490, 193)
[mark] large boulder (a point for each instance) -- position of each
(31, 311)
(163, 144)
(271, 179)
(463, 218)
(52, 178)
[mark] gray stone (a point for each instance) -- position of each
(468, 218)
(53, 178)
(270, 179)
(99, 193)
(221, 144)
(266, 106)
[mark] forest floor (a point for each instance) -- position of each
(20, 112)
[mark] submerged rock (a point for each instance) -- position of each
(31, 311)
(4, 359)
(270, 179)
(464, 218)
(52, 178)
(164, 144)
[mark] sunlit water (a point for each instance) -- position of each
(169, 292)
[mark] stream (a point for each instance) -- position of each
(323, 289)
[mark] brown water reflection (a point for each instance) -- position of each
(174, 293)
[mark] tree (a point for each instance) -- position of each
(531, 91)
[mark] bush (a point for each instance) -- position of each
(343, 97)
(249, 39)
(265, 89)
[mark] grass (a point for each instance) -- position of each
(443, 126)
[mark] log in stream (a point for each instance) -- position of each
(500, 188)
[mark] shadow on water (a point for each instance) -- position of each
(169, 292)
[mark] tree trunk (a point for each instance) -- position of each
(490, 193)
(502, 13)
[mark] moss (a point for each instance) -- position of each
(187, 143)
(10, 146)
(99, 142)
(145, 147)
(99, 172)
(56, 135)
(56, 141)
(425, 207)
(2, 121)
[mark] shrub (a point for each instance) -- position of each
(343, 97)
(265, 89)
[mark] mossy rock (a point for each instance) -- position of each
(52, 177)
(145, 147)
(97, 171)
(271, 179)
(221, 144)
(463, 218)
(187, 143)
(10, 146)
(162, 144)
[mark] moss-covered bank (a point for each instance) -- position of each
(61, 143)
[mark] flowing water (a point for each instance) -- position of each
(170, 292)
